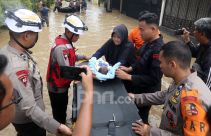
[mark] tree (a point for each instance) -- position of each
(11, 5)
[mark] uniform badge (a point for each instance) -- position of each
(170, 118)
(23, 76)
(155, 56)
(65, 54)
(191, 109)
(173, 100)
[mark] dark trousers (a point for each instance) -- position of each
(144, 113)
(59, 103)
(29, 129)
(56, 8)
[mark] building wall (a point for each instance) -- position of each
(183, 13)
(133, 7)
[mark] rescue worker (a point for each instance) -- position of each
(146, 74)
(63, 54)
(7, 107)
(202, 51)
(186, 101)
(30, 118)
(135, 35)
(117, 48)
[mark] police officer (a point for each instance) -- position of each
(30, 118)
(186, 101)
(146, 77)
(201, 52)
(63, 54)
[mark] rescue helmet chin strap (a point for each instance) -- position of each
(20, 44)
(70, 39)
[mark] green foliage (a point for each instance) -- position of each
(49, 2)
(11, 5)
(15, 4)
(1, 15)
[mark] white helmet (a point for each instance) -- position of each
(75, 25)
(23, 20)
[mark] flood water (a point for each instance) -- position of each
(100, 25)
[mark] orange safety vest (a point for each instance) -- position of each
(135, 37)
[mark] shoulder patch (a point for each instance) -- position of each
(155, 56)
(23, 76)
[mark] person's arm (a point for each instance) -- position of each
(100, 52)
(186, 38)
(84, 121)
(127, 56)
(82, 57)
(156, 98)
(207, 70)
(144, 99)
(60, 54)
(28, 105)
(194, 48)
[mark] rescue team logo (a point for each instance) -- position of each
(190, 109)
(23, 76)
(66, 54)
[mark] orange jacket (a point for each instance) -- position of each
(135, 37)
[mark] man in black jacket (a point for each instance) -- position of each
(147, 75)
(202, 51)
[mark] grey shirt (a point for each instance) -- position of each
(173, 120)
(25, 76)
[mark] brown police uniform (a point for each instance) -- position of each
(185, 106)
(30, 116)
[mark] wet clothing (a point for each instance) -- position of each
(123, 53)
(185, 107)
(202, 53)
(25, 76)
(44, 11)
(44, 15)
(62, 54)
(135, 37)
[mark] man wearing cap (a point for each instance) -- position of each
(63, 54)
(202, 51)
(30, 118)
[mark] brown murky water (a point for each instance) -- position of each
(100, 25)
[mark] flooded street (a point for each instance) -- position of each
(100, 25)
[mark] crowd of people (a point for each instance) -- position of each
(144, 59)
